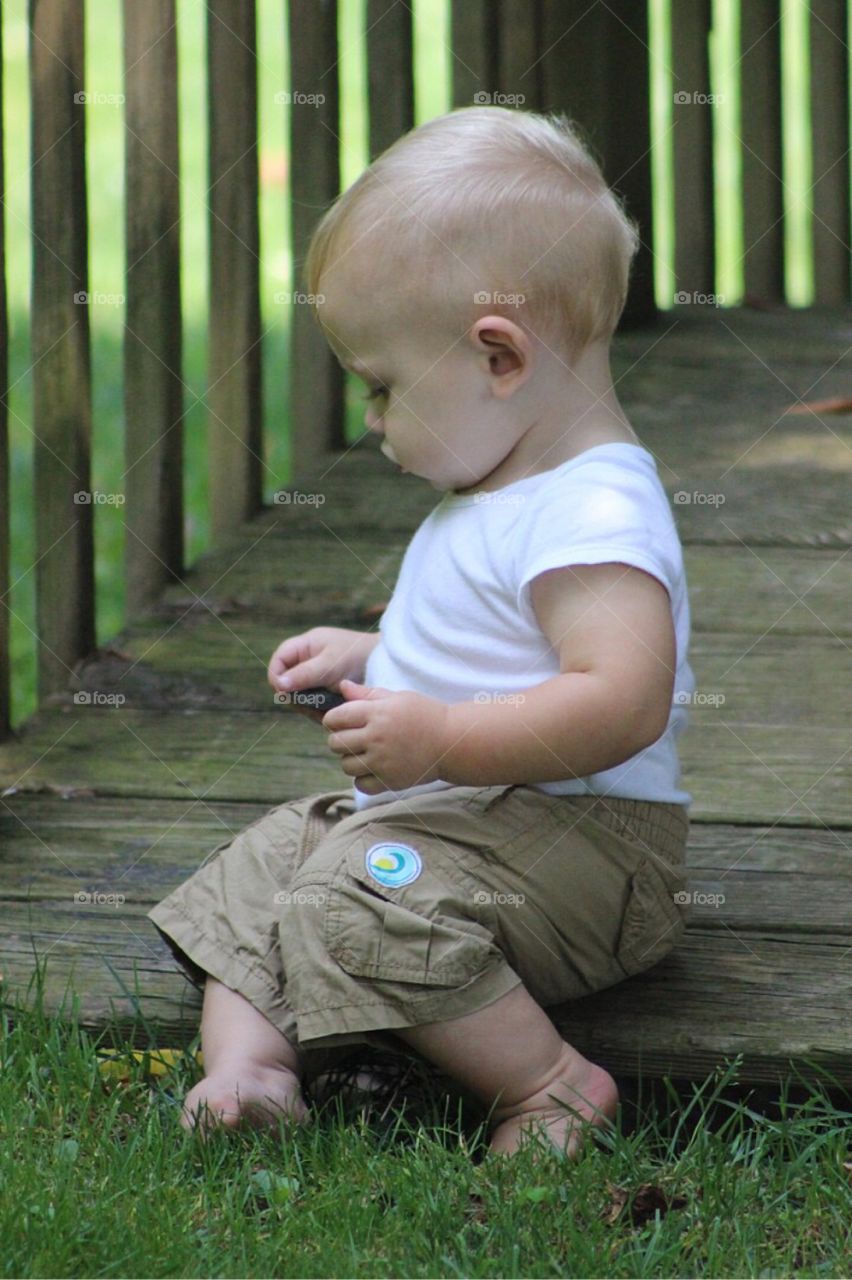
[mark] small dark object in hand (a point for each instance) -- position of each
(317, 698)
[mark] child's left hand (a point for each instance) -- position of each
(387, 741)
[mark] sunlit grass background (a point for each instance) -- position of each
(105, 179)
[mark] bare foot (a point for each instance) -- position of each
(244, 1091)
(582, 1096)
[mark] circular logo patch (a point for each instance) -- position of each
(393, 865)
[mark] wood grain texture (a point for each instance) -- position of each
(153, 383)
(692, 141)
(316, 379)
(595, 70)
(762, 157)
(390, 73)
(63, 563)
(234, 394)
(766, 973)
(5, 521)
(475, 46)
(830, 168)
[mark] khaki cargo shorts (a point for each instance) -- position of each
(341, 925)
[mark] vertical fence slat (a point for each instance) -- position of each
(587, 52)
(627, 151)
(694, 218)
(64, 570)
(475, 48)
(153, 395)
(829, 65)
(760, 131)
(234, 395)
(5, 514)
(316, 386)
(519, 51)
(575, 63)
(390, 72)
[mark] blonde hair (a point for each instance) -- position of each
(493, 202)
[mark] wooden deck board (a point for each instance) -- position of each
(737, 769)
(198, 750)
(747, 671)
(773, 949)
(225, 668)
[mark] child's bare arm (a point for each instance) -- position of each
(611, 625)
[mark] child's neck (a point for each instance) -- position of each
(575, 409)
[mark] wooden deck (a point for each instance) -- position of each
(126, 800)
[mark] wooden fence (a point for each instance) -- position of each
(589, 60)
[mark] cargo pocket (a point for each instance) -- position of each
(654, 921)
(402, 934)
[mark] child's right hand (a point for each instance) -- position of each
(322, 656)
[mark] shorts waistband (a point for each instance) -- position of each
(662, 826)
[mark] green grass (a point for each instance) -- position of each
(99, 1179)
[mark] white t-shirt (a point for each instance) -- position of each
(460, 622)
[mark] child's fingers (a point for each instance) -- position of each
(303, 675)
(286, 656)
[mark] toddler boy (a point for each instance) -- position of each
(514, 833)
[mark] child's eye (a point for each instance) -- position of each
(375, 393)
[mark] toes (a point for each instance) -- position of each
(208, 1112)
(209, 1107)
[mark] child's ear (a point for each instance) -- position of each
(508, 352)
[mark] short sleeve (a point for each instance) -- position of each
(596, 515)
